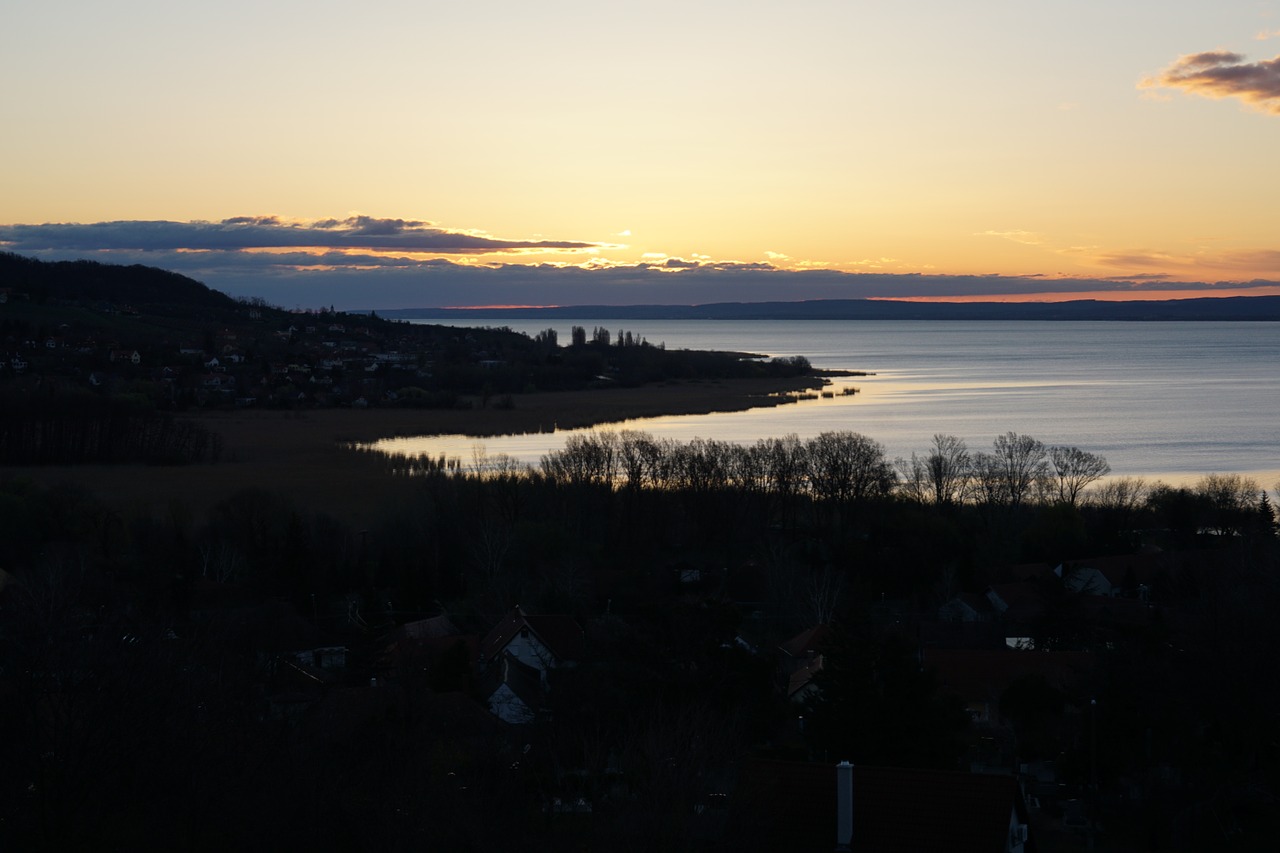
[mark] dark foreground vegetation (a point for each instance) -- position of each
(262, 677)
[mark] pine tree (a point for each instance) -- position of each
(1266, 515)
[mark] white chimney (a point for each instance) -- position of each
(844, 806)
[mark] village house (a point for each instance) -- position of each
(544, 642)
(800, 660)
(514, 691)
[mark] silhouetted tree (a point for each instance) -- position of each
(1075, 469)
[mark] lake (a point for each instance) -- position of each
(1162, 400)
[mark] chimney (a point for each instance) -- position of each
(844, 806)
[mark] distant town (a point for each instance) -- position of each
(85, 337)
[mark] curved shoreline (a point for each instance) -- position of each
(305, 456)
(530, 413)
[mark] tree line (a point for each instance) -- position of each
(841, 466)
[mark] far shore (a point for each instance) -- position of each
(305, 455)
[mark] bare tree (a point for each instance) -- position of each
(988, 484)
(942, 477)
(821, 595)
(912, 478)
(1124, 495)
(637, 458)
(499, 465)
(1229, 500)
(848, 467)
(783, 463)
(1075, 469)
(1020, 461)
(948, 467)
(587, 458)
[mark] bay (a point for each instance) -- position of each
(1166, 400)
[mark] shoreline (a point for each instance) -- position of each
(306, 455)
(541, 412)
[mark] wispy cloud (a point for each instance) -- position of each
(1223, 74)
(1253, 261)
(267, 232)
(1028, 238)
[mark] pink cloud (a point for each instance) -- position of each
(1223, 74)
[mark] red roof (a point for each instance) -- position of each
(807, 643)
(801, 677)
(557, 632)
(435, 628)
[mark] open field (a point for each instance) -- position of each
(303, 455)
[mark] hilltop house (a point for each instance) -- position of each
(543, 642)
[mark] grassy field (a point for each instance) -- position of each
(304, 455)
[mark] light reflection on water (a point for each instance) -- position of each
(1167, 400)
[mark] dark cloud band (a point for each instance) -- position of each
(264, 232)
(363, 262)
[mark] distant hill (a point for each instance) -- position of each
(97, 343)
(89, 281)
(1212, 308)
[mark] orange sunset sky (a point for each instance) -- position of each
(407, 154)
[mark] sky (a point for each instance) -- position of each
(418, 154)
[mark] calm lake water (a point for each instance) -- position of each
(1168, 400)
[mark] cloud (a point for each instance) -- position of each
(267, 232)
(1223, 74)
(1028, 238)
(305, 280)
(1249, 261)
(363, 262)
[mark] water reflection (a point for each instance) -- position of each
(1169, 400)
(742, 427)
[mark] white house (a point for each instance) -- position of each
(1084, 580)
(543, 642)
(514, 691)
